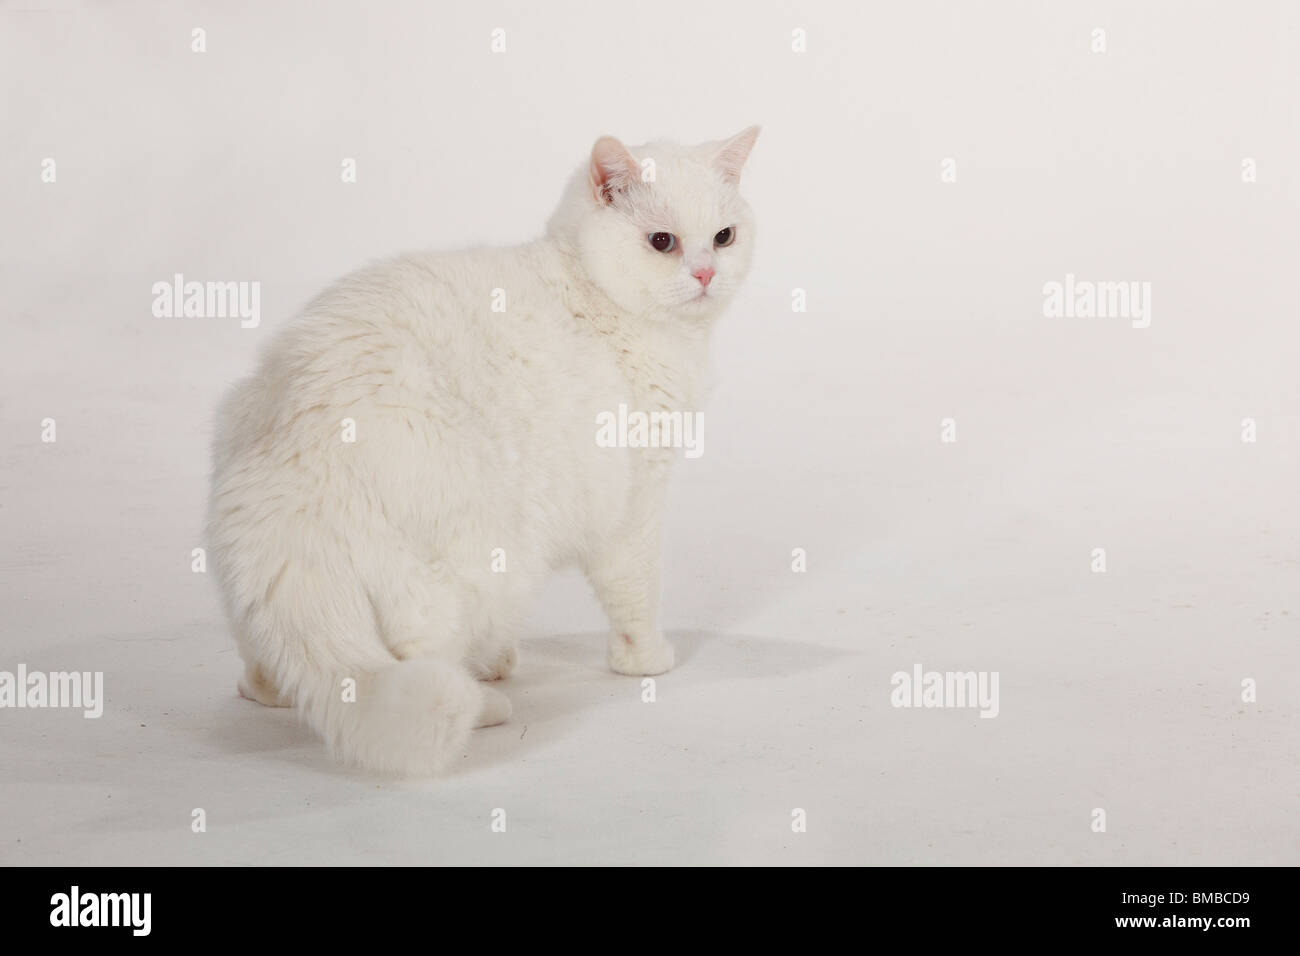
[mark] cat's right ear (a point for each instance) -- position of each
(613, 169)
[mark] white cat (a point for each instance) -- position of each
(417, 452)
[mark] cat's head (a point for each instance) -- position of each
(662, 228)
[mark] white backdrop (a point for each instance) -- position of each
(1120, 691)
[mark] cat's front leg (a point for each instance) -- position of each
(625, 576)
(639, 655)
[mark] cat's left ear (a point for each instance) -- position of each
(612, 169)
(731, 155)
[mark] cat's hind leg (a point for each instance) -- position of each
(257, 685)
(418, 608)
(495, 619)
(496, 708)
(496, 705)
(419, 612)
(499, 665)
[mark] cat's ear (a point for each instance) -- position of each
(731, 155)
(613, 169)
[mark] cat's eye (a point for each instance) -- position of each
(663, 241)
(725, 237)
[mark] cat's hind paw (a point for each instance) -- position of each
(496, 708)
(256, 685)
(500, 666)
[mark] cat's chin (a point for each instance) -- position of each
(702, 306)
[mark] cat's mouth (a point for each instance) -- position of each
(705, 298)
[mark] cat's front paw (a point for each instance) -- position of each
(639, 656)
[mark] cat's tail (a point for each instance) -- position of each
(406, 717)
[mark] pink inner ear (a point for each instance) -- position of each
(730, 159)
(613, 169)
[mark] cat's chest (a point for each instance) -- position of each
(657, 372)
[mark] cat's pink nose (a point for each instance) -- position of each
(705, 276)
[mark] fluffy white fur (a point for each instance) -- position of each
(475, 431)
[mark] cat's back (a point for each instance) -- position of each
(444, 309)
(452, 333)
